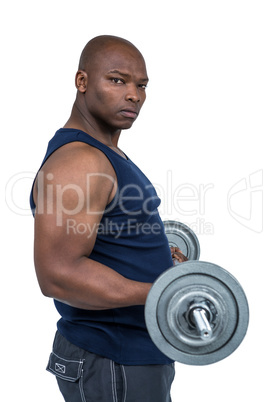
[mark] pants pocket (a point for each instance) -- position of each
(69, 374)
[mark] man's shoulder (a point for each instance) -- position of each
(72, 166)
(78, 157)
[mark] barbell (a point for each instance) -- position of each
(196, 312)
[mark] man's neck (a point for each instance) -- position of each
(78, 121)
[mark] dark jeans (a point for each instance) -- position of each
(86, 377)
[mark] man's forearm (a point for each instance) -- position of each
(89, 285)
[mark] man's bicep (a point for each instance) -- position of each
(69, 209)
(64, 243)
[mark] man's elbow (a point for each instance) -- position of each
(47, 283)
(47, 288)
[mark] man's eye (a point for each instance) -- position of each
(143, 86)
(117, 80)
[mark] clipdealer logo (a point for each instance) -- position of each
(245, 201)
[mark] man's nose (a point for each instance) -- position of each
(133, 94)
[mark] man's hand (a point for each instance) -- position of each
(177, 255)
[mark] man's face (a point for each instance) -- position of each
(116, 87)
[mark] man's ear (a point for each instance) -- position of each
(81, 81)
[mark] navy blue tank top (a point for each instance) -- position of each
(132, 241)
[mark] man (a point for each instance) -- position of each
(99, 241)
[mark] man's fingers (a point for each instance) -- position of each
(179, 257)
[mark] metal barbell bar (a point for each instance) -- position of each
(201, 323)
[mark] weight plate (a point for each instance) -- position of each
(180, 235)
(169, 302)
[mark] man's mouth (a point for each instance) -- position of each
(130, 113)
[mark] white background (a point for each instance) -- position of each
(201, 135)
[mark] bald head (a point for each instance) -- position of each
(111, 82)
(100, 46)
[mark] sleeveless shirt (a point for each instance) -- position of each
(132, 241)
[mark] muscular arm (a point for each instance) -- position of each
(65, 195)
